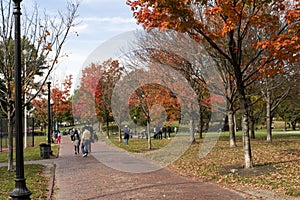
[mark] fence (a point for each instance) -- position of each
(4, 133)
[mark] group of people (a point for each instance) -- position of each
(84, 138)
(56, 136)
(158, 132)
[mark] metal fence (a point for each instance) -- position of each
(4, 133)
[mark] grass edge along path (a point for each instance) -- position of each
(37, 181)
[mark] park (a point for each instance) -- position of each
(208, 93)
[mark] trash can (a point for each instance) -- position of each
(45, 150)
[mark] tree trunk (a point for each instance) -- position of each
(284, 125)
(100, 128)
(149, 136)
(10, 132)
(294, 123)
(268, 118)
(231, 123)
(107, 128)
(252, 122)
(245, 130)
(120, 133)
(252, 127)
(192, 131)
(200, 125)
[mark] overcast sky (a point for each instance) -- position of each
(98, 21)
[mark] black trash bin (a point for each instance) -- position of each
(45, 150)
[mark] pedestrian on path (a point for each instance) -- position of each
(58, 138)
(126, 134)
(76, 141)
(85, 142)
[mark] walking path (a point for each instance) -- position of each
(88, 178)
(112, 174)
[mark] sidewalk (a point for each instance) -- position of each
(88, 178)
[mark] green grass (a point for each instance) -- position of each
(277, 164)
(36, 182)
(30, 153)
(138, 145)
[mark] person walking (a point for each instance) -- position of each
(126, 134)
(85, 142)
(58, 138)
(76, 141)
(169, 131)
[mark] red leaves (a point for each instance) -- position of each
(95, 90)
(153, 95)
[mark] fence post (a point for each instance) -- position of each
(1, 135)
(32, 132)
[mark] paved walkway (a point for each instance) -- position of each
(113, 174)
(110, 173)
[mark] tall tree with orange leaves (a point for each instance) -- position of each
(61, 105)
(93, 97)
(151, 98)
(253, 36)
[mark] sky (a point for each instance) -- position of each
(98, 22)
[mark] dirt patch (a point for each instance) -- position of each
(257, 170)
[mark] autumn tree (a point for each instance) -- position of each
(288, 110)
(93, 98)
(83, 100)
(61, 103)
(60, 96)
(111, 72)
(252, 36)
(150, 98)
(274, 90)
(168, 49)
(42, 41)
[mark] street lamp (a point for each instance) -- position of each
(20, 191)
(134, 120)
(25, 53)
(49, 113)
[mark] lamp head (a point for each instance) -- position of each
(17, 1)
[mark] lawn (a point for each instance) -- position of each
(277, 164)
(138, 145)
(30, 153)
(37, 179)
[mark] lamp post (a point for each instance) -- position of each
(25, 53)
(20, 191)
(49, 113)
(134, 119)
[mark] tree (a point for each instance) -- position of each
(168, 50)
(228, 28)
(152, 98)
(288, 110)
(83, 100)
(61, 104)
(93, 98)
(42, 42)
(111, 72)
(274, 90)
(60, 96)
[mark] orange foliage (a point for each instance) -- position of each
(218, 22)
(149, 95)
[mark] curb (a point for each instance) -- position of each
(51, 184)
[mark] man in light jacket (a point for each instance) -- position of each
(85, 142)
